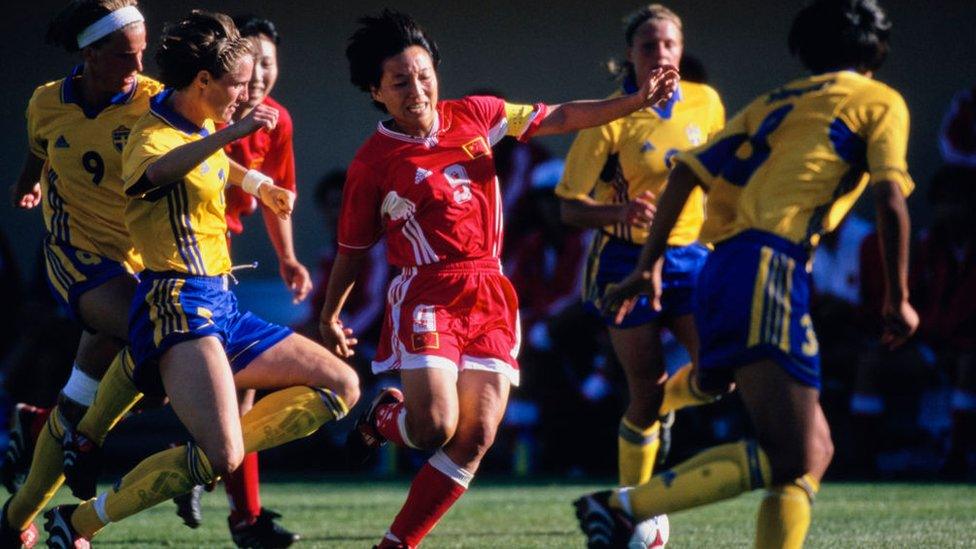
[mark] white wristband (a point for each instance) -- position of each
(253, 180)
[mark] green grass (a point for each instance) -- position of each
(331, 513)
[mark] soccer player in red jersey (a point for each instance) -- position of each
(271, 152)
(426, 180)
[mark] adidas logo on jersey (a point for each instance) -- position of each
(61, 143)
(421, 175)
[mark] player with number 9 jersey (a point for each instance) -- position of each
(82, 183)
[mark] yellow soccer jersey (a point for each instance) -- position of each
(178, 227)
(796, 159)
(615, 162)
(82, 179)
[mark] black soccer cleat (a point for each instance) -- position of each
(603, 526)
(82, 462)
(188, 507)
(60, 533)
(13, 538)
(20, 450)
(264, 533)
(364, 438)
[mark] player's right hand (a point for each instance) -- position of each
(25, 198)
(619, 299)
(640, 211)
(337, 338)
(900, 322)
(660, 85)
(260, 117)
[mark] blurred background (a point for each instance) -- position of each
(905, 414)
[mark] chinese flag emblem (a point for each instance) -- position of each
(426, 340)
(477, 147)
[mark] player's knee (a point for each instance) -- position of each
(434, 432)
(819, 453)
(347, 387)
(475, 440)
(226, 460)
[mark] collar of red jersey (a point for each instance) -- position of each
(70, 95)
(158, 106)
(430, 140)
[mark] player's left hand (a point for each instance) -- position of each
(900, 322)
(620, 298)
(280, 201)
(660, 85)
(296, 278)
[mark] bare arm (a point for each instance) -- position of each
(894, 227)
(345, 270)
(577, 115)
(293, 273)
(26, 192)
(587, 213)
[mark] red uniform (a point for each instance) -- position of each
(271, 153)
(437, 201)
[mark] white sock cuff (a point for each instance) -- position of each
(99, 506)
(623, 495)
(442, 463)
(390, 536)
(402, 427)
(80, 387)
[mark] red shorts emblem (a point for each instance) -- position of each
(427, 340)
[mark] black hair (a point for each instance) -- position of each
(378, 38)
(252, 25)
(830, 35)
(64, 29)
(202, 41)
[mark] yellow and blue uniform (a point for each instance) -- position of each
(783, 172)
(87, 243)
(614, 163)
(180, 230)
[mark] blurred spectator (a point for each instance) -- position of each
(957, 139)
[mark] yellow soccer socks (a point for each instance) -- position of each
(636, 452)
(721, 472)
(116, 395)
(681, 391)
(157, 478)
(289, 414)
(44, 478)
(784, 515)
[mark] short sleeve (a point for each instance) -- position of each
(709, 160)
(717, 121)
(584, 162)
(143, 149)
(887, 141)
(360, 222)
(35, 141)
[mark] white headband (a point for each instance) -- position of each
(109, 24)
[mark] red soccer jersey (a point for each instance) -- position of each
(271, 153)
(436, 198)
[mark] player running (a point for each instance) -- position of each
(189, 340)
(784, 171)
(77, 127)
(613, 175)
(426, 179)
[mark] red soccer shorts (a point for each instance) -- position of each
(456, 316)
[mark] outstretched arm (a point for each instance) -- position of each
(577, 115)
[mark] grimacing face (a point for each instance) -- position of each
(656, 43)
(114, 65)
(265, 70)
(222, 96)
(408, 89)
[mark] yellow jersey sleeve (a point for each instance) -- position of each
(584, 162)
(145, 148)
(882, 119)
(35, 141)
(718, 118)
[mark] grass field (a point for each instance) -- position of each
(341, 514)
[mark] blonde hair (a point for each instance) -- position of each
(203, 41)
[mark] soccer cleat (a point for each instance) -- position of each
(364, 438)
(60, 533)
(664, 435)
(10, 537)
(82, 461)
(188, 507)
(603, 526)
(20, 450)
(262, 533)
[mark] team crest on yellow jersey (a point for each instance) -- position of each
(119, 136)
(694, 133)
